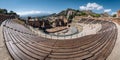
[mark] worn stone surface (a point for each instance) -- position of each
(115, 55)
(4, 55)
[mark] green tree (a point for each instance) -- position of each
(95, 15)
(12, 13)
(3, 11)
(77, 11)
(71, 17)
(29, 17)
(83, 14)
(114, 15)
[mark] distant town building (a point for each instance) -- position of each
(118, 14)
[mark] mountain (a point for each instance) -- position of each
(69, 12)
(36, 15)
(105, 14)
(65, 12)
(72, 13)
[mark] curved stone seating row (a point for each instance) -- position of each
(4, 17)
(25, 45)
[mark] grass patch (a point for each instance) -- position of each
(19, 21)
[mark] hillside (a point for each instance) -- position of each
(72, 13)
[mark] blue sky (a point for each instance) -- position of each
(23, 7)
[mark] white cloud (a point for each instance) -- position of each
(91, 6)
(107, 10)
(31, 12)
(82, 7)
(113, 13)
